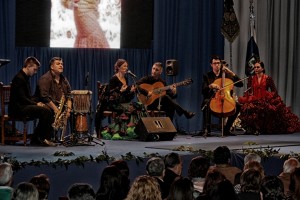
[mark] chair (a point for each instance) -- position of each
(14, 136)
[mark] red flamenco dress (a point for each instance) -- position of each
(263, 111)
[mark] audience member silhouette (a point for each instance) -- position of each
(223, 191)
(81, 191)
(124, 169)
(155, 167)
(144, 188)
(26, 191)
(42, 183)
(111, 185)
(181, 189)
(212, 178)
(288, 167)
(272, 188)
(294, 188)
(222, 160)
(173, 168)
(6, 177)
(197, 171)
(250, 185)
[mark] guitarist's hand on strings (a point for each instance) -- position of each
(173, 89)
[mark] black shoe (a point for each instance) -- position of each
(189, 115)
(228, 133)
(49, 143)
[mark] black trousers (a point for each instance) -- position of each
(45, 118)
(168, 105)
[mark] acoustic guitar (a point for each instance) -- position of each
(158, 89)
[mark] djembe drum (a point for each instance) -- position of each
(81, 106)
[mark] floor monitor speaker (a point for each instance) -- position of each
(155, 129)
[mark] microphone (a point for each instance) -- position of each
(131, 74)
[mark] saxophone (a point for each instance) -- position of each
(60, 118)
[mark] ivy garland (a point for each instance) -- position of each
(264, 153)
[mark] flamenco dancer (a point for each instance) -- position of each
(263, 110)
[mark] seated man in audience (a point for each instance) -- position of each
(173, 169)
(155, 167)
(288, 167)
(222, 160)
(6, 176)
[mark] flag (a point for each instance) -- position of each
(252, 49)
(230, 26)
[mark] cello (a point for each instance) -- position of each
(223, 104)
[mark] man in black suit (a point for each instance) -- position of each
(209, 88)
(23, 104)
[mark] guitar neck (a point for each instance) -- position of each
(169, 86)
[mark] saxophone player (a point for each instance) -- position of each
(53, 87)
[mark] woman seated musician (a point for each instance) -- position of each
(263, 110)
(120, 97)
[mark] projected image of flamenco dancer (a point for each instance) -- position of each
(89, 32)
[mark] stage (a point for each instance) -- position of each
(37, 160)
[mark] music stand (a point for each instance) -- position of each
(4, 62)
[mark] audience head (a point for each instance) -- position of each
(223, 190)
(212, 178)
(111, 184)
(221, 155)
(6, 174)
(144, 187)
(25, 191)
(173, 162)
(119, 63)
(252, 157)
(155, 167)
(198, 167)
(295, 183)
(290, 164)
(81, 191)
(181, 189)
(255, 165)
(250, 181)
(42, 183)
(272, 188)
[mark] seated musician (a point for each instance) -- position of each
(263, 110)
(209, 87)
(54, 89)
(166, 101)
(22, 103)
(119, 101)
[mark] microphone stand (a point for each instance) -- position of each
(144, 108)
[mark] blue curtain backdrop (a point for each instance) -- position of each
(188, 31)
